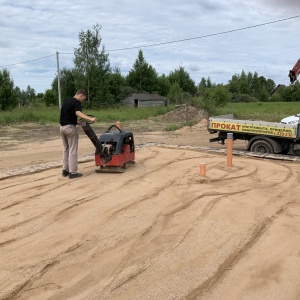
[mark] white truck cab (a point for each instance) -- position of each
(291, 119)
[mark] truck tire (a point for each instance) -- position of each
(261, 147)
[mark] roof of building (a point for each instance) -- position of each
(145, 96)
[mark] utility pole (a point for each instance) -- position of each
(58, 80)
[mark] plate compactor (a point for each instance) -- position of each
(114, 148)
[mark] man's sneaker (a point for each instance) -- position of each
(74, 175)
(65, 173)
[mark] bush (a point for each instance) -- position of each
(173, 127)
(50, 98)
(243, 98)
(214, 98)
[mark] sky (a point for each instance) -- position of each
(208, 38)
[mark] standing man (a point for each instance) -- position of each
(70, 111)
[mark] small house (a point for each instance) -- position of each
(144, 99)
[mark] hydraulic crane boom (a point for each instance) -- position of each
(293, 74)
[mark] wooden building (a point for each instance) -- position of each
(144, 99)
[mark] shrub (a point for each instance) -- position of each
(243, 98)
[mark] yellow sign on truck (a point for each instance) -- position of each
(258, 128)
(265, 137)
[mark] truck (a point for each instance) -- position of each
(261, 137)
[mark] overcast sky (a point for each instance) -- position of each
(206, 36)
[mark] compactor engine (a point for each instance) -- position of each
(114, 148)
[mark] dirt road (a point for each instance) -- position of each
(157, 231)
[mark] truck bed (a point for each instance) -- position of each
(227, 123)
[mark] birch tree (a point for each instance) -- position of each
(92, 66)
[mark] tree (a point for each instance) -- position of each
(142, 77)
(7, 99)
(175, 94)
(255, 86)
(39, 95)
(116, 84)
(184, 80)
(202, 85)
(290, 93)
(39, 99)
(221, 95)
(263, 94)
(50, 98)
(296, 91)
(244, 87)
(214, 98)
(270, 86)
(233, 84)
(252, 85)
(19, 96)
(67, 83)
(249, 79)
(208, 83)
(30, 94)
(24, 98)
(92, 67)
(163, 85)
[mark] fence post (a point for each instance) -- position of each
(229, 149)
(202, 169)
(118, 124)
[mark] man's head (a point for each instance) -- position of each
(80, 95)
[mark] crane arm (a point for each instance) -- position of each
(293, 74)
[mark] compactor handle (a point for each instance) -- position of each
(110, 127)
(83, 120)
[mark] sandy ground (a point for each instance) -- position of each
(157, 231)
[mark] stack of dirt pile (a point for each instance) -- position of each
(181, 113)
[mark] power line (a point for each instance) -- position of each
(27, 61)
(174, 41)
(205, 36)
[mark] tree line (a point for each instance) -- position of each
(108, 87)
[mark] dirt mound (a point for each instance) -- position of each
(180, 114)
(201, 124)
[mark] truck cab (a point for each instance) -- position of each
(291, 119)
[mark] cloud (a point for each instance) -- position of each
(212, 46)
(285, 4)
(4, 43)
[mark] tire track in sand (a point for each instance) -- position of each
(258, 231)
(161, 221)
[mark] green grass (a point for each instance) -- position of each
(265, 111)
(46, 115)
(173, 127)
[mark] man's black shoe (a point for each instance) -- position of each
(75, 175)
(65, 173)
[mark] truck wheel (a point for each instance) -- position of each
(262, 147)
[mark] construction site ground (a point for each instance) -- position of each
(159, 230)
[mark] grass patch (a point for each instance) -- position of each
(173, 127)
(46, 115)
(264, 111)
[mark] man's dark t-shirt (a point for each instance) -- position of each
(68, 111)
